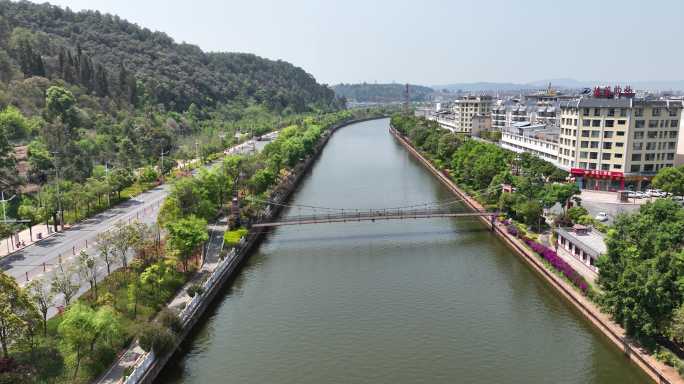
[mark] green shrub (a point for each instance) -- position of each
(231, 238)
(195, 289)
(155, 337)
(667, 357)
(170, 320)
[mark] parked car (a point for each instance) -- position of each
(655, 193)
(602, 216)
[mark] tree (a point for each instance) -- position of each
(63, 282)
(157, 338)
(87, 270)
(124, 236)
(105, 245)
(670, 180)
(13, 122)
(185, 236)
(76, 330)
(158, 278)
(119, 179)
(61, 103)
(28, 211)
(41, 294)
(16, 309)
(642, 273)
(559, 193)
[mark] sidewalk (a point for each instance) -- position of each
(135, 354)
(23, 238)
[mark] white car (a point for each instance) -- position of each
(602, 216)
(655, 193)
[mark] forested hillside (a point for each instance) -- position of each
(175, 75)
(88, 102)
(381, 93)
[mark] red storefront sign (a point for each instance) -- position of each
(596, 174)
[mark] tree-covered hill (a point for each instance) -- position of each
(112, 56)
(381, 93)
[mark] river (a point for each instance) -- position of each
(414, 301)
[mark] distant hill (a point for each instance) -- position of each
(97, 49)
(566, 83)
(381, 93)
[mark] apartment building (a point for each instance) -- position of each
(538, 139)
(614, 142)
(468, 106)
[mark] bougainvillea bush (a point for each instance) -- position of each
(559, 264)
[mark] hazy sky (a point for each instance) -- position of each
(430, 41)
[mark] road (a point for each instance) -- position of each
(43, 258)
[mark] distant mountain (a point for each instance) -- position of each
(567, 83)
(381, 93)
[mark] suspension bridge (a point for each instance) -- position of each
(322, 215)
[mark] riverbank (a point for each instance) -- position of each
(148, 366)
(656, 370)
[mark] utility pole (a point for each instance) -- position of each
(161, 168)
(60, 212)
(4, 214)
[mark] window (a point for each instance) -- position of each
(649, 157)
(648, 167)
(593, 155)
(585, 133)
(671, 145)
(594, 144)
(655, 112)
(638, 112)
(652, 135)
(618, 155)
(607, 134)
(597, 111)
(596, 123)
(605, 167)
(673, 134)
(592, 165)
(652, 124)
(607, 145)
(622, 122)
(650, 146)
(617, 166)
(584, 144)
(674, 123)
(583, 155)
(623, 113)
(582, 164)
(635, 168)
(611, 111)
(637, 146)
(620, 133)
(595, 133)
(639, 123)
(575, 124)
(672, 112)
(670, 156)
(586, 123)
(585, 111)
(605, 156)
(619, 145)
(636, 157)
(610, 123)
(638, 135)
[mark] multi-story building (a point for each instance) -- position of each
(613, 142)
(468, 106)
(481, 123)
(538, 139)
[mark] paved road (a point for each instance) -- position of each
(29, 260)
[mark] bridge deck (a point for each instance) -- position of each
(373, 216)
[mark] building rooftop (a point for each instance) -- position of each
(589, 240)
(597, 102)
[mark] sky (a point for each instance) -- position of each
(430, 42)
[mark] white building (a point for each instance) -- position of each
(537, 139)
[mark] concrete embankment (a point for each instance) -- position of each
(658, 371)
(149, 368)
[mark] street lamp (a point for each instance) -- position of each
(4, 215)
